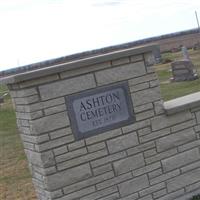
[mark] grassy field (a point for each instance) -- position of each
(15, 179)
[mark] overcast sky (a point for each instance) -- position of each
(37, 30)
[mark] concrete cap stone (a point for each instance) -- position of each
(66, 66)
(182, 103)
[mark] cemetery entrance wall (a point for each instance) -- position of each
(97, 128)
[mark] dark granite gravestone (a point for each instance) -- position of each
(1, 100)
(183, 70)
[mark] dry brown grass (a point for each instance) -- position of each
(15, 178)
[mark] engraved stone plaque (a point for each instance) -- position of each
(101, 109)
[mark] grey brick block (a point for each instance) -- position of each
(139, 87)
(155, 173)
(152, 189)
(67, 177)
(96, 147)
(56, 109)
(197, 128)
(183, 180)
(189, 145)
(26, 132)
(54, 143)
(150, 153)
(120, 61)
(36, 114)
(149, 59)
(88, 182)
(49, 123)
(71, 155)
(148, 106)
(44, 171)
(154, 135)
(146, 96)
(103, 136)
(66, 87)
(144, 131)
(54, 194)
(60, 150)
(136, 125)
(124, 72)
(159, 108)
(52, 102)
(38, 81)
(142, 79)
(130, 197)
(148, 197)
(175, 140)
(190, 167)
(136, 58)
(129, 164)
(29, 146)
(39, 185)
(23, 123)
(29, 108)
(79, 194)
(35, 139)
(76, 145)
(108, 159)
(42, 105)
(140, 148)
(122, 142)
(161, 156)
(144, 115)
(146, 169)
(133, 185)
(192, 187)
(102, 169)
(23, 93)
(99, 194)
(181, 159)
(197, 114)
(86, 69)
(114, 181)
(83, 159)
(114, 196)
(29, 116)
(23, 116)
(183, 125)
(45, 159)
(160, 193)
(165, 177)
(26, 100)
(163, 121)
(60, 133)
(37, 176)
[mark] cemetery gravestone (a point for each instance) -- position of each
(185, 53)
(183, 70)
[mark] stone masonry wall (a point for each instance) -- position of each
(157, 157)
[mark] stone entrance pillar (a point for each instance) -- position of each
(84, 124)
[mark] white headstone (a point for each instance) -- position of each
(185, 53)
